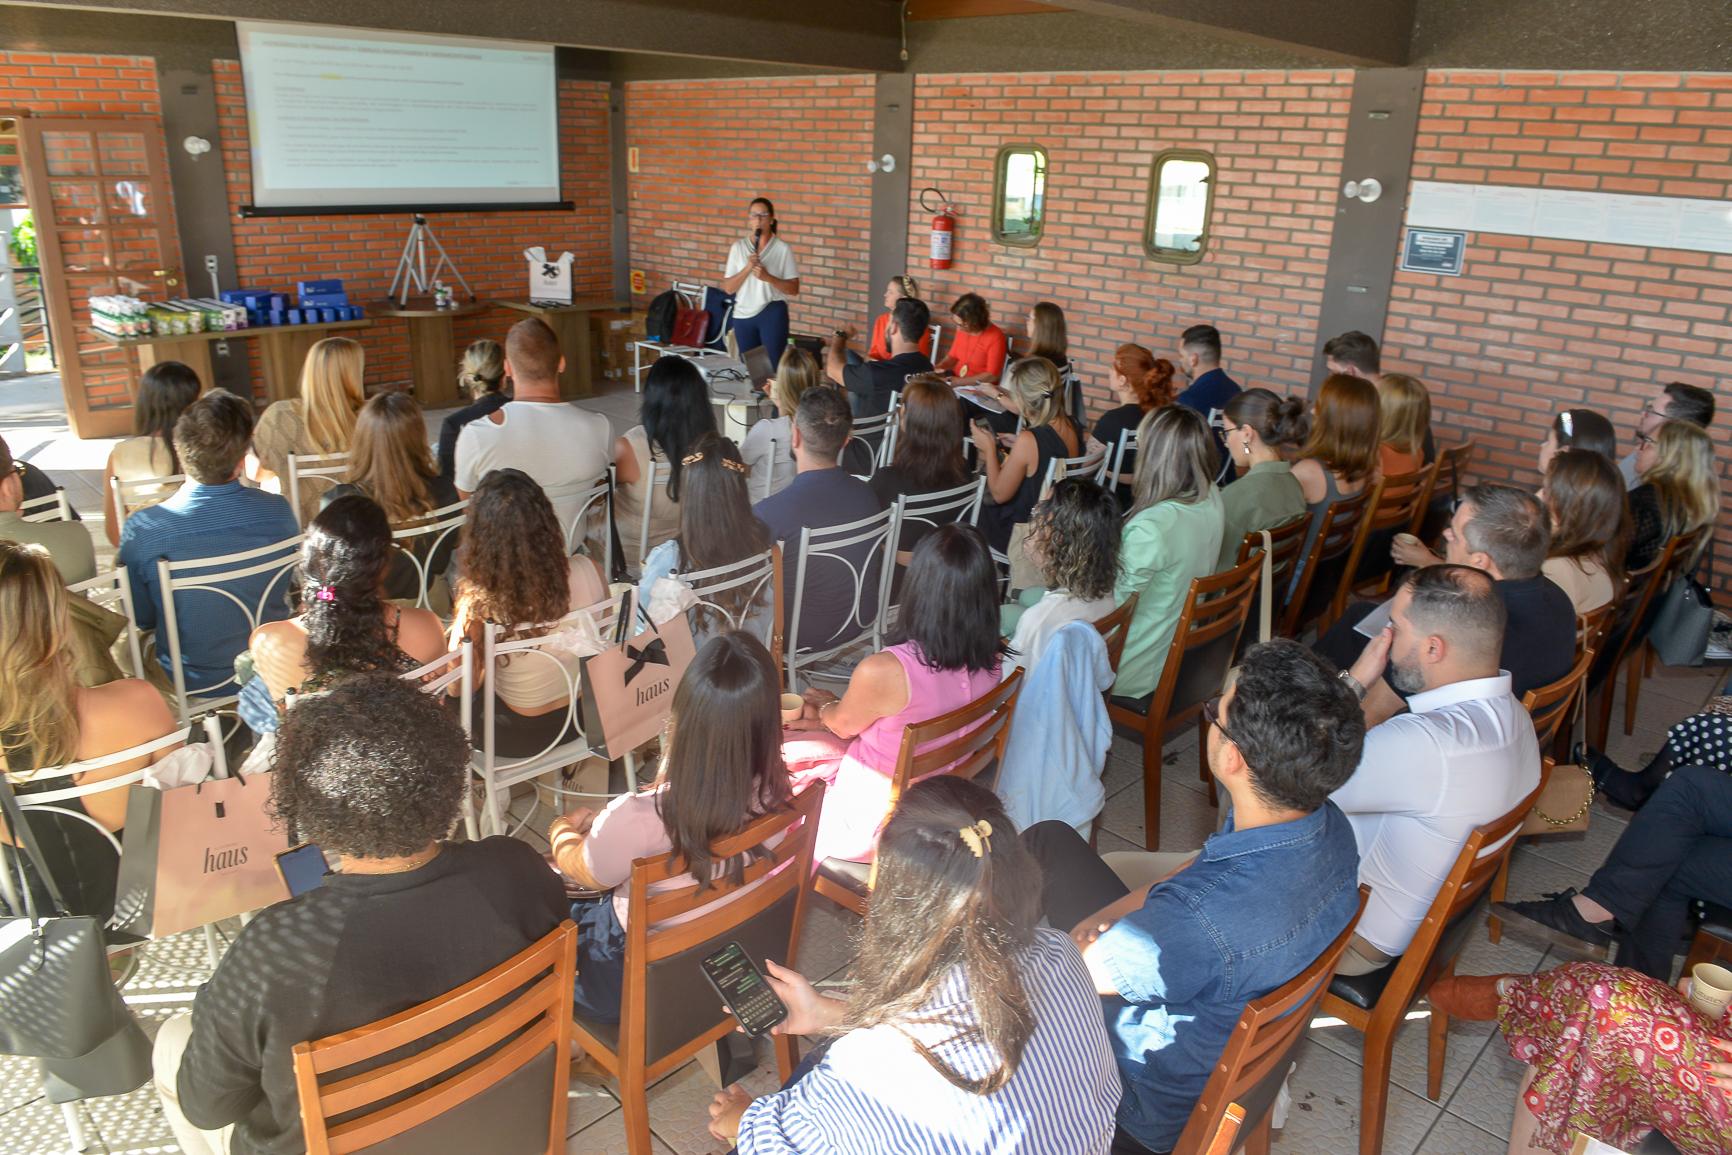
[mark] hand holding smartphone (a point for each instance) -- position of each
(744, 990)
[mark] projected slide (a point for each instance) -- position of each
(343, 117)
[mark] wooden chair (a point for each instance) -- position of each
(511, 1101)
(668, 1011)
(1376, 1004)
(1114, 629)
(1550, 707)
(1591, 627)
(1226, 1137)
(1285, 542)
(1398, 507)
(1255, 1061)
(1325, 568)
(1198, 658)
(1451, 466)
(1623, 637)
(964, 742)
(1677, 561)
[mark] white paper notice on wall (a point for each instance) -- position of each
(1598, 218)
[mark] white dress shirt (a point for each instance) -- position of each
(1465, 755)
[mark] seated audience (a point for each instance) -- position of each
(1014, 483)
(1261, 430)
(482, 381)
(372, 773)
(949, 655)
(928, 456)
(1210, 388)
(1353, 354)
(563, 448)
(212, 514)
(1047, 337)
(979, 349)
(47, 719)
(1676, 850)
(320, 421)
(899, 288)
(822, 495)
(1463, 755)
(721, 768)
(164, 391)
(345, 625)
(1073, 540)
(1578, 429)
(676, 411)
(1340, 458)
(869, 384)
(768, 449)
(1171, 538)
(717, 528)
(1610, 1053)
(1404, 417)
(1590, 522)
(67, 543)
(1007, 1048)
(1678, 490)
(517, 575)
(1673, 401)
(1177, 944)
(1142, 382)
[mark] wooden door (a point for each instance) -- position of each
(99, 192)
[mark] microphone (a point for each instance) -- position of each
(757, 236)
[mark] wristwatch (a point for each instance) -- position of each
(1352, 683)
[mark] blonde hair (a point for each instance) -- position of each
(389, 459)
(1686, 486)
(1033, 381)
(1404, 409)
(797, 373)
(331, 393)
(1175, 458)
(483, 368)
(38, 695)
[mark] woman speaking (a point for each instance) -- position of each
(761, 275)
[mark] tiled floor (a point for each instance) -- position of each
(1472, 1117)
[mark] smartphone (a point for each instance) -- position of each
(302, 868)
(744, 989)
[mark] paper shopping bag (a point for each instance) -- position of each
(197, 854)
(629, 688)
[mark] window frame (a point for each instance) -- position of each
(1000, 174)
(1168, 256)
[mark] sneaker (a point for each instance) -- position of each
(1556, 919)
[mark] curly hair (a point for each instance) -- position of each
(344, 559)
(1077, 533)
(516, 571)
(373, 769)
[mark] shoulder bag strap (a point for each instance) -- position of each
(24, 838)
(1266, 607)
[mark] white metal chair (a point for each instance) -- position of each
(660, 471)
(1086, 464)
(1113, 465)
(213, 576)
(326, 468)
(439, 677)
(695, 293)
(865, 550)
(874, 433)
(48, 507)
(962, 504)
(593, 518)
(937, 332)
(761, 576)
(113, 591)
(499, 774)
(140, 493)
(760, 492)
(422, 543)
(887, 451)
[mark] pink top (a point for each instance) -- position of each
(931, 693)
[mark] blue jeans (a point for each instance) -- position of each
(769, 329)
(600, 959)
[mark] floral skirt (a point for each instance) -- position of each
(1615, 1054)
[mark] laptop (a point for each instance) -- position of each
(758, 367)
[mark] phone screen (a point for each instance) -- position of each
(744, 989)
(303, 868)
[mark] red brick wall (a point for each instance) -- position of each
(1534, 325)
(275, 252)
(1277, 139)
(706, 148)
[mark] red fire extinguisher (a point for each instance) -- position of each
(943, 228)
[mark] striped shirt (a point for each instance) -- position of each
(872, 1090)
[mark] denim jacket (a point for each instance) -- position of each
(1253, 910)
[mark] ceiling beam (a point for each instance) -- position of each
(1351, 31)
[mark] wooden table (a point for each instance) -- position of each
(570, 323)
(282, 351)
(432, 347)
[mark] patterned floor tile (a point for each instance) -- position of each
(1487, 1097)
(1453, 1136)
(1186, 816)
(606, 1136)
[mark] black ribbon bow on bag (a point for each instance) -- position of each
(656, 652)
(549, 271)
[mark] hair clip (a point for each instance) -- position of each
(326, 593)
(692, 458)
(736, 466)
(978, 837)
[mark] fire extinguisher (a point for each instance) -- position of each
(943, 228)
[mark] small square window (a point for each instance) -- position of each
(1181, 198)
(1019, 195)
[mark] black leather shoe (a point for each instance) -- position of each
(1556, 919)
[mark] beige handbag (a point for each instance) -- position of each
(1566, 797)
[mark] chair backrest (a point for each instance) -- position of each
(1087, 464)
(1451, 471)
(963, 742)
(1115, 628)
(865, 550)
(1628, 626)
(592, 517)
(943, 506)
(131, 496)
(1255, 1062)
(1285, 542)
(667, 1008)
(1206, 638)
(874, 433)
(660, 472)
(937, 332)
(328, 468)
(48, 507)
(206, 581)
(1113, 466)
(1326, 566)
(113, 591)
(487, 1064)
(1549, 706)
(426, 540)
(762, 490)
(1592, 626)
(887, 451)
(755, 584)
(1397, 503)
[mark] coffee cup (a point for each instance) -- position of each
(792, 707)
(1710, 990)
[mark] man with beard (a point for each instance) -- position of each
(1464, 754)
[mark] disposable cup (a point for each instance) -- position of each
(792, 707)
(1710, 990)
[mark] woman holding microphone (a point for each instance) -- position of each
(761, 275)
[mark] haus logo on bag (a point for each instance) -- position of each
(217, 860)
(628, 688)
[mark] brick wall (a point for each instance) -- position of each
(1277, 139)
(706, 148)
(274, 252)
(1534, 325)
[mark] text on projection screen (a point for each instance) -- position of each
(343, 116)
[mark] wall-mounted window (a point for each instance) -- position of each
(1019, 195)
(1181, 197)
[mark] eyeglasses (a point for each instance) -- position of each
(1212, 714)
(755, 216)
(1646, 439)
